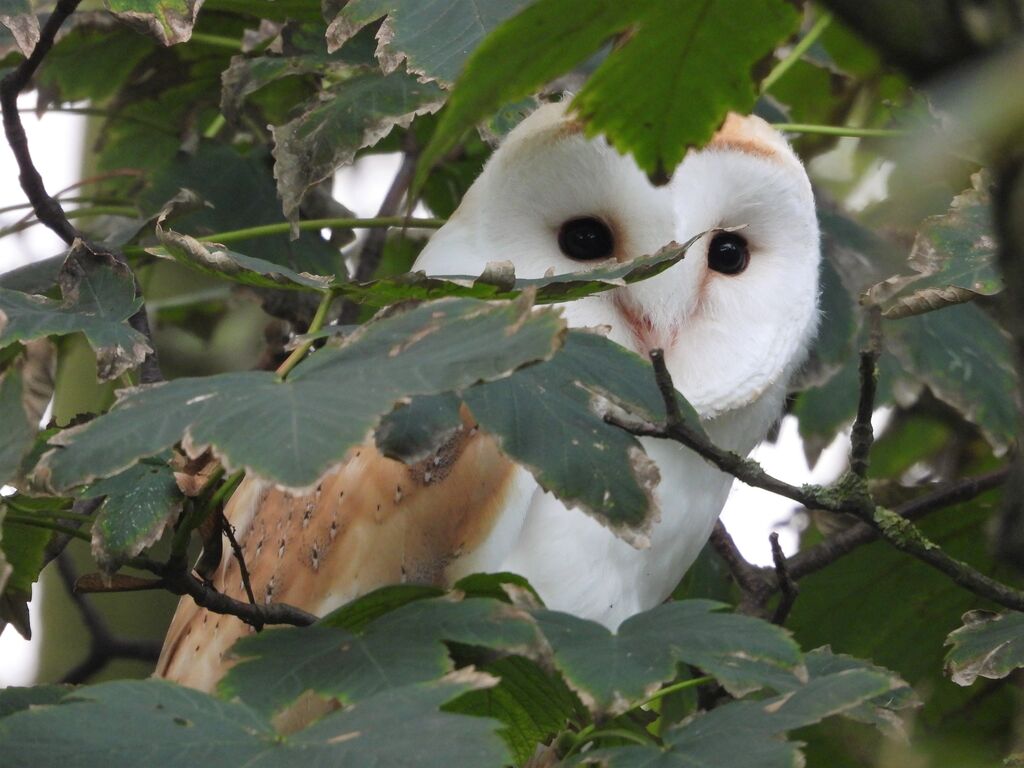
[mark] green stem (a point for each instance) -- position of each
(215, 126)
(798, 51)
(226, 490)
(841, 130)
(35, 522)
(219, 41)
(278, 228)
(47, 514)
(77, 213)
(680, 686)
(300, 352)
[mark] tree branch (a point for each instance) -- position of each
(849, 494)
(862, 435)
(785, 581)
(47, 209)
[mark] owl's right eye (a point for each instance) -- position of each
(586, 239)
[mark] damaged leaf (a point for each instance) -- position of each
(169, 21)
(292, 431)
(18, 17)
(17, 430)
(400, 648)
(571, 450)
(139, 503)
(988, 645)
(433, 37)
(356, 111)
(953, 259)
(745, 734)
(678, 67)
(98, 296)
(611, 672)
(178, 727)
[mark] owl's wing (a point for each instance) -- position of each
(369, 523)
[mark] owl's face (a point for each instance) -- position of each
(734, 317)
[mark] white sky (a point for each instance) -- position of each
(56, 143)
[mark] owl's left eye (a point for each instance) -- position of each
(586, 239)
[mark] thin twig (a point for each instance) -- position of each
(229, 531)
(787, 586)
(862, 435)
(373, 247)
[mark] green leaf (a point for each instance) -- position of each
(400, 648)
(613, 672)
(576, 455)
(177, 727)
(743, 734)
(140, 502)
(987, 645)
(169, 21)
(217, 260)
(879, 711)
(963, 356)
(666, 88)
(111, 53)
(18, 432)
(953, 260)
(433, 37)
(14, 699)
(98, 297)
(357, 111)
(292, 431)
(532, 704)
(23, 548)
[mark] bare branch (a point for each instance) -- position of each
(862, 436)
(785, 581)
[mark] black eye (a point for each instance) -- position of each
(586, 239)
(728, 253)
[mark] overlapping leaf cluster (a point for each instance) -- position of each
(469, 673)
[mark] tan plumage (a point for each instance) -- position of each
(371, 522)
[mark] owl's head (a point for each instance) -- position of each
(735, 316)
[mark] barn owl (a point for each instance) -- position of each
(734, 319)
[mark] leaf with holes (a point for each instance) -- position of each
(679, 68)
(139, 504)
(399, 648)
(613, 672)
(433, 37)
(987, 645)
(953, 260)
(169, 21)
(292, 431)
(178, 727)
(98, 297)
